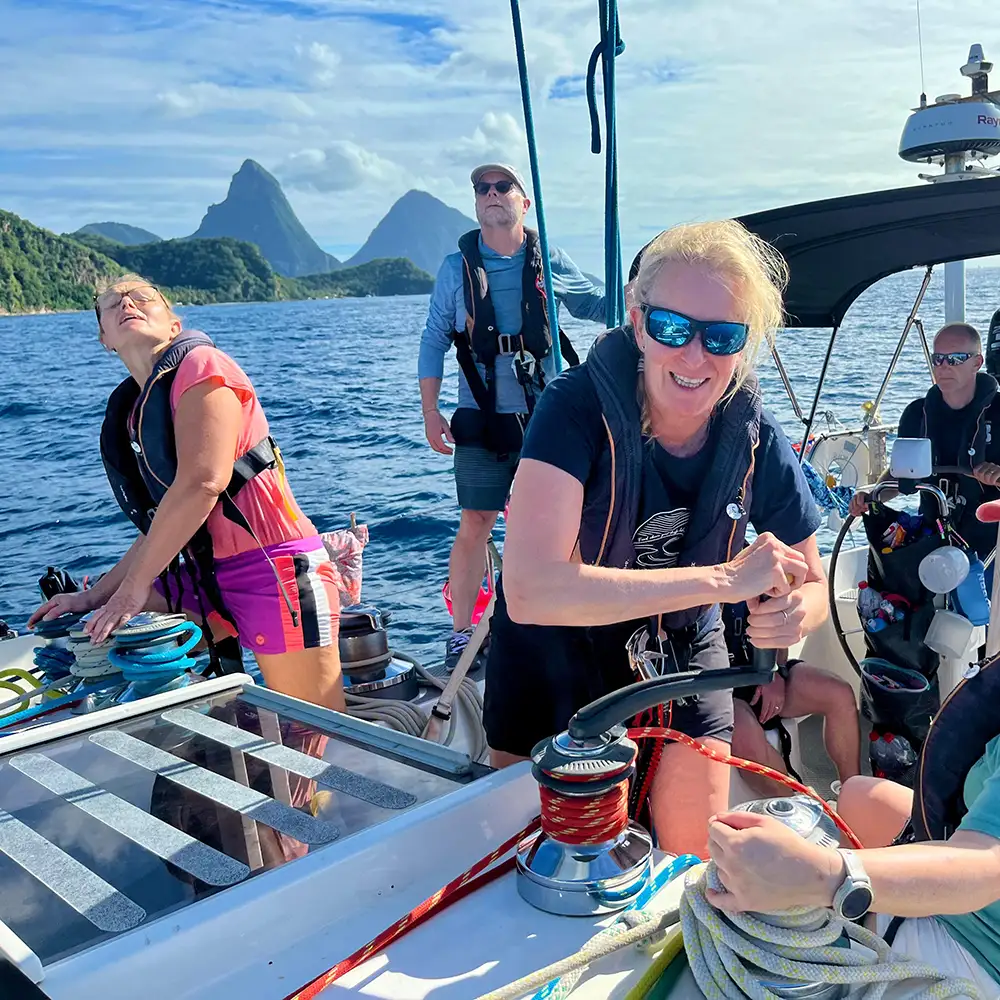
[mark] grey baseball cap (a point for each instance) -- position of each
(500, 168)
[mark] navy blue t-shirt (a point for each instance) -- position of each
(566, 430)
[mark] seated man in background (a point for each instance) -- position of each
(797, 689)
(958, 414)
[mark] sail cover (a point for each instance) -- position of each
(838, 247)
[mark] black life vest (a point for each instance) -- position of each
(993, 347)
(140, 458)
(981, 424)
(958, 736)
(480, 342)
(611, 507)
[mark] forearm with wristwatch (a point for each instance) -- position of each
(916, 880)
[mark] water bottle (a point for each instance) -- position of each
(868, 601)
(970, 595)
(891, 756)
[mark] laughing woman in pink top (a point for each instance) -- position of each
(190, 460)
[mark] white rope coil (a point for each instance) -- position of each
(727, 951)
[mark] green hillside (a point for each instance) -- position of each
(40, 271)
(393, 276)
(120, 232)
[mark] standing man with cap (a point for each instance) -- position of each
(489, 301)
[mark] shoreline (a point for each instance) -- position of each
(46, 311)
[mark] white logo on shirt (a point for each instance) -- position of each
(658, 541)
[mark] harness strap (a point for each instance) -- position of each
(892, 930)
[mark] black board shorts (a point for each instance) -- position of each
(538, 676)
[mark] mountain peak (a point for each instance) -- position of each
(418, 226)
(251, 171)
(256, 210)
(120, 232)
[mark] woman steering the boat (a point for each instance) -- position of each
(190, 460)
(640, 471)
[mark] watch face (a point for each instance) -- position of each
(857, 902)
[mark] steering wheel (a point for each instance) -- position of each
(942, 501)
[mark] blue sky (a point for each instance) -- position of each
(141, 110)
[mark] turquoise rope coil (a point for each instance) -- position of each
(536, 184)
(153, 661)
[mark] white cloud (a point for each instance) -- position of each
(341, 166)
(724, 107)
(323, 62)
(204, 98)
(498, 136)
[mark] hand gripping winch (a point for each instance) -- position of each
(589, 857)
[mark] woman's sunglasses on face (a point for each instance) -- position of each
(954, 358)
(673, 329)
(111, 299)
(483, 188)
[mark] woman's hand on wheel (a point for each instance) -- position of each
(128, 600)
(62, 604)
(767, 567)
(777, 623)
(859, 504)
(987, 473)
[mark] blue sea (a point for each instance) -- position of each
(337, 379)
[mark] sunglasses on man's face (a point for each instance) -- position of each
(954, 358)
(111, 299)
(673, 329)
(483, 188)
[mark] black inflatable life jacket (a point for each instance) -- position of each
(958, 736)
(610, 512)
(993, 347)
(480, 342)
(140, 458)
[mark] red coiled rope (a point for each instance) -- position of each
(573, 819)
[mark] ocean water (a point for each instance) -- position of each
(338, 382)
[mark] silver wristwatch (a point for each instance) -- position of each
(855, 896)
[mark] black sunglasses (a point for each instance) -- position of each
(483, 188)
(954, 358)
(674, 329)
(112, 298)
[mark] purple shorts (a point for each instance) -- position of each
(251, 593)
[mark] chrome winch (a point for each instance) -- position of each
(589, 857)
(370, 668)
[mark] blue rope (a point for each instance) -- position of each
(536, 183)
(53, 703)
(156, 664)
(54, 662)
